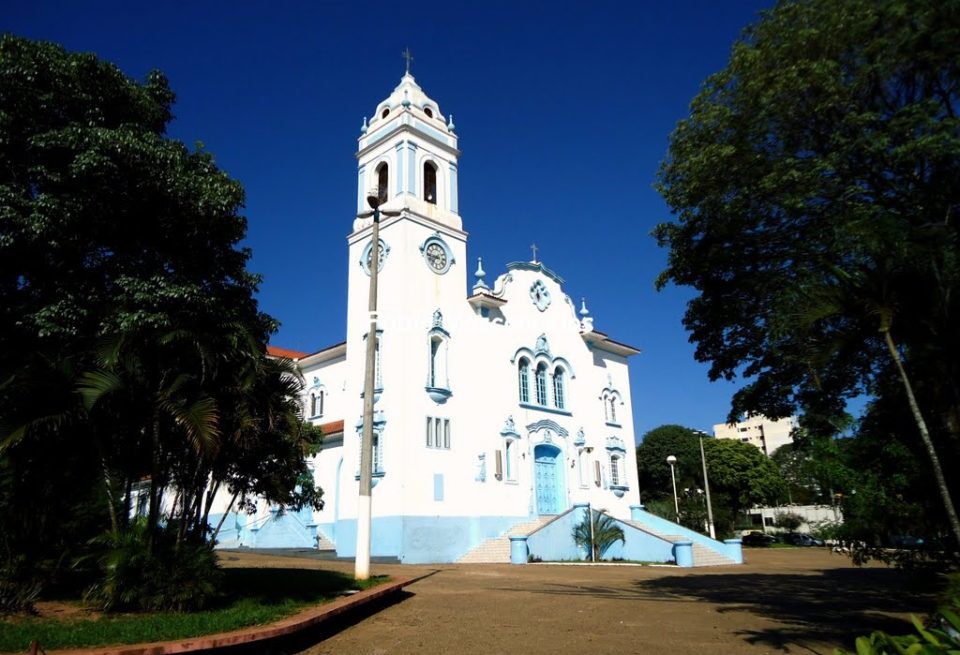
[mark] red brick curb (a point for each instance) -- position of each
(291, 624)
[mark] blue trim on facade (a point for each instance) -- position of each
(438, 395)
(544, 408)
(399, 183)
(454, 193)
(424, 539)
(536, 267)
(426, 129)
(412, 176)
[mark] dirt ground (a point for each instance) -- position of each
(781, 601)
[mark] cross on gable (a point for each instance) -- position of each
(406, 54)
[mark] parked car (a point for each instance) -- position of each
(757, 538)
(802, 539)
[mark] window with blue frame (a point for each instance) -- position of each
(383, 181)
(541, 384)
(523, 371)
(558, 388)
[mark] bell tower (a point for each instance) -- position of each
(408, 151)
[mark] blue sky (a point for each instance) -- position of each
(564, 110)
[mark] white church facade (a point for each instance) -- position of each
(498, 405)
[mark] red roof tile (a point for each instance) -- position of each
(277, 351)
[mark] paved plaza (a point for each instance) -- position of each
(781, 601)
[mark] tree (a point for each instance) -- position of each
(653, 472)
(741, 476)
(604, 534)
(131, 343)
(816, 185)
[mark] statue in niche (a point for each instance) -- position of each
(542, 345)
(508, 425)
(437, 319)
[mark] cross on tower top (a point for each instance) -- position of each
(534, 248)
(406, 54)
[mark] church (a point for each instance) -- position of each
(499, 409)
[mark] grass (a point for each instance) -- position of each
(251, 597)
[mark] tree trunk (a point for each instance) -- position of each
(153, 513)
(223, 518)
(925, 437)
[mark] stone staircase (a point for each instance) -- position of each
(323, 543)
(702, 555)
(497, 550)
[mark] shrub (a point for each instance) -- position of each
(164, 577)
(606, 532)
(789, 521)
(939, 636)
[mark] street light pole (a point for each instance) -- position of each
(671, 460)
(706, 488)
(362, 562)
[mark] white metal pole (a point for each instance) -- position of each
(706, 488)
(676, 504)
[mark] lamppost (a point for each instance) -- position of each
(706, 487)
(671, 460)
(362, 562)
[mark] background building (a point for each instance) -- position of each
(764, 433)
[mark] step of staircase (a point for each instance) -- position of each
(497, 550)
(323, 543)
(702, 555)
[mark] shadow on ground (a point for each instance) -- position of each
(833, 607)
(310, 637)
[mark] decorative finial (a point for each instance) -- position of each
(406, 100)
(480, 274)
(534, 248)
(586, 321)
(406, 54)
(363, 128)
(450, 125)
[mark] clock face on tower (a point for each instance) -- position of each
(437, 254)
(436, 257)
(367, 258)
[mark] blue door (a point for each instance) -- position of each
(548, 479)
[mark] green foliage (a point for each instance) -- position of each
(252, 597)
(789, 521)
(606, 532)
(939, 636)
(815, 185)
(652, 469)
(743, 474)
(166, 576)
(131, 344)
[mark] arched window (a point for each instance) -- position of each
(613, 410)
(313, 404)
(558, 388)
(383, 181)
(436, 343)
(510, 455)
(582, 467)
(319, 407)
(523, 372)
(428, 112)
(614, 470)
(385, 112)
(541, 384)
(429, 182)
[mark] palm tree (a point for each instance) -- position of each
(868, 295)
(605, 533)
